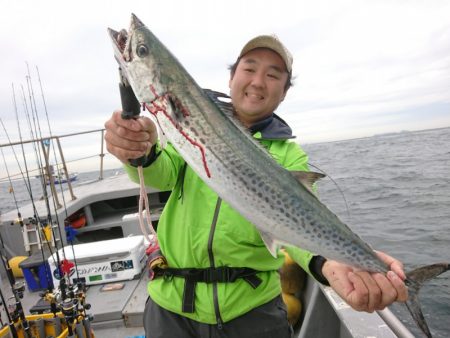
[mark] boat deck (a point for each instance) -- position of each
(111, 204)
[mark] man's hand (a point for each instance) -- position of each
(365, 291)
(129, 139)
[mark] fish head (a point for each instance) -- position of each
(144, 62)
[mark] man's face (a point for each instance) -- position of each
(257, 86)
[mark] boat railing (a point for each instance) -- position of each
(43, 146)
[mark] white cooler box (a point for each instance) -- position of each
(103, 261)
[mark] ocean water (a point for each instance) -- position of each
(397, 197)
(21, 195)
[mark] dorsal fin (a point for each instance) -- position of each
(218, 99)
(307, 178)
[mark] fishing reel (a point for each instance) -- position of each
(18, 220)
(19, 289)
(14, 306)
(69, 308)
(32, 220)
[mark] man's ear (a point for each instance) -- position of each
(229, 81)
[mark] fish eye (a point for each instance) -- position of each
(142, 51)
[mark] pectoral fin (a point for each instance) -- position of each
(270, 243)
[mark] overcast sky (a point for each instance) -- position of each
(361, 67)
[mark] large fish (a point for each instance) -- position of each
(219, 149)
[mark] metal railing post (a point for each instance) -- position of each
(101, 155)
(69, 183)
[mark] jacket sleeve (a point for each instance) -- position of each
(162, 174)
(295, 158)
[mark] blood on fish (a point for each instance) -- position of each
(157, 108)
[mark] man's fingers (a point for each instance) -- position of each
(129, 139)
(130, 124)
(399, 285)
(394, 264)
(124, 155)
(370, 292)
(150, 127)
(117, 138)
(359, 297)
(389, 292)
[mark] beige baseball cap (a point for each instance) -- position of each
(271, 42)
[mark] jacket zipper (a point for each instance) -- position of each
(211, 262)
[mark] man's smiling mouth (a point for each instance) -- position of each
(254, 96)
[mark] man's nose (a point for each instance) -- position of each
(258, 80)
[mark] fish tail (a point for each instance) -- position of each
(414, 280)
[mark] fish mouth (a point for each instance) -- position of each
(119, 39)
(121, 43)
(122, 39)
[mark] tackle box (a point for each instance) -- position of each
(103, 261)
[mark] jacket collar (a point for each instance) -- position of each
(273, 128)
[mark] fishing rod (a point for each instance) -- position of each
(337, 186)
(26, 183)
(12, 327)
(36, 152)
(19, 313)
(49, 221)
(38, 132)
(49, 295)
(19, 310)
(19, 215)
(55, 157)
(80, 286)
(17, 290)
(38, 220)
(2, 324)
(74, 299)
(10, 183)
(71, 301)
(7, 268)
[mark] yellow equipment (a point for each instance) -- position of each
(14, 265)
(292, 282)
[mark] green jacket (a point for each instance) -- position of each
(196, 227)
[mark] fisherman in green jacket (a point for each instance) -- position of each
(221, 280)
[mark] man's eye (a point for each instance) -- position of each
(249, 70)
(273, 76)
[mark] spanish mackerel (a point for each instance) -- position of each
(229, 160)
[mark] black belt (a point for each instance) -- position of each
(223, 274)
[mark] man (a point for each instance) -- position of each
(202, 235)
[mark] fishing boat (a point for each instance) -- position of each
(105, 210)
(60, 177)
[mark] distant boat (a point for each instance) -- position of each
(60, 178)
